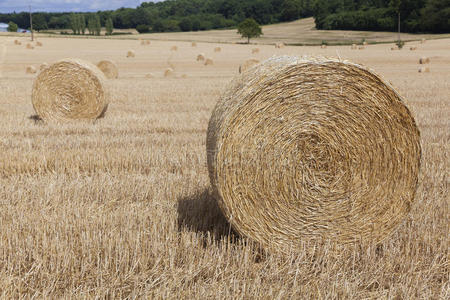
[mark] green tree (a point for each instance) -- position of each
(74, 23)
(12, 27)
(97, 25)
(109, 26)
(91, 25)
(39, 22)
(396, 5)
(82, 21)
(249, 28)
(143, 28)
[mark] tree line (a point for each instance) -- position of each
(193, 15)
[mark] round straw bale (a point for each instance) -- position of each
(109, 69)
(201, 57)
(174, 48)
(255, 50)
(217, 49)
(279, 45)
(365, 43)
(412, 48)
(131, 53)
(248, 64)
(184, 76)
(394, 48)
(323, 46)
(30, 70)
(29, 46)
(424, 70)
(39, 44)
(69, 89)
(312, 148)
(361, 47)
(209, 61)
(17, 42)
(169, 72)
(424, 60)
(422, 41)
(194, 44)
(43, 66)
(354, 47)
(149, 75)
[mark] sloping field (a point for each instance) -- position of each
(122, 208)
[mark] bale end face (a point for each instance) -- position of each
(312, 149)
(131, 53)
(109, 69)
(68, 90)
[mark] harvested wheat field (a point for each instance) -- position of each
(123, 206)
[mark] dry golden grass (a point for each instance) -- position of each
(122, 208)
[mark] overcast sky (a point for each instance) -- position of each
(67, 5)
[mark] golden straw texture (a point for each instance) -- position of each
(109, 69)
(248, 64)
(69, 89)
(312, 148)
(201, 57)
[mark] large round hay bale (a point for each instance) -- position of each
(279, 45)
(30, 70)
(43, 66)
(248, 64)
(201, 57)
(312, 149)
(217, 49)
(209, 62)
(131, 53)
(29, 46)
(354, 47)
(109, 69)
(424, 70)
(194, 44)
(39, 44)
(17, 42)
(424, 60)
(323, 46)
(169, 72)
(174, 48)
(412, 48)
(69, 89)
(255, 50)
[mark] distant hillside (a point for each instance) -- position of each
(198, 15)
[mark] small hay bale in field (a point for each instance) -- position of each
(394, 48)
(209, 62)
(29, 46)
(422, 41)
(279, 45)
(194, 44)
(412, 48)
(149, 75)
(39, 44)
(354, 47)
(361, 47)
(312, 148)
(365, 43)
(43, 66)
(30, 70)
(255, 50)
(424, 60)
(17, 42)
(184, 76)
(248, 64)
(70, 89)
(145, 42)
(323, 46)
(201, 57)
(169, 72)
(217, 49)
(174, 48)
(131, 53)
(109, 69)
(424, 70)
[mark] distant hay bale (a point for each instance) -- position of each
(279, 45)
(424, 70)
(43, 66)
(109, 69)
(39, 44)
(194, 44)
(149, 75)
(255, 50)
(174, 48)
(424, 60)
(361, 48)
(354, 47)
(248, 64)
(323, 46)
(209, 62)
(29, 46)
(17, 42)
(70, 89)
(315, 149)
(365, 43)
(169, 72)
(184, 76)
(412, 48)
(422, 41)
(131, 53)
(394, 48)
(201, 57)
(217, 49)
(145, 42)
(30, 70)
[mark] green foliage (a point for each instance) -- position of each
(39, 22)
(249, 28)
(143, 28)
(400, 44)
(109, 26)
(12, 27)
(97, 25)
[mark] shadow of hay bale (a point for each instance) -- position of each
(36, 119)
(200, 212)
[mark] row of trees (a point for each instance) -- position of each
(383, 15)
(94, 27)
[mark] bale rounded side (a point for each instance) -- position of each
(109, 69)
